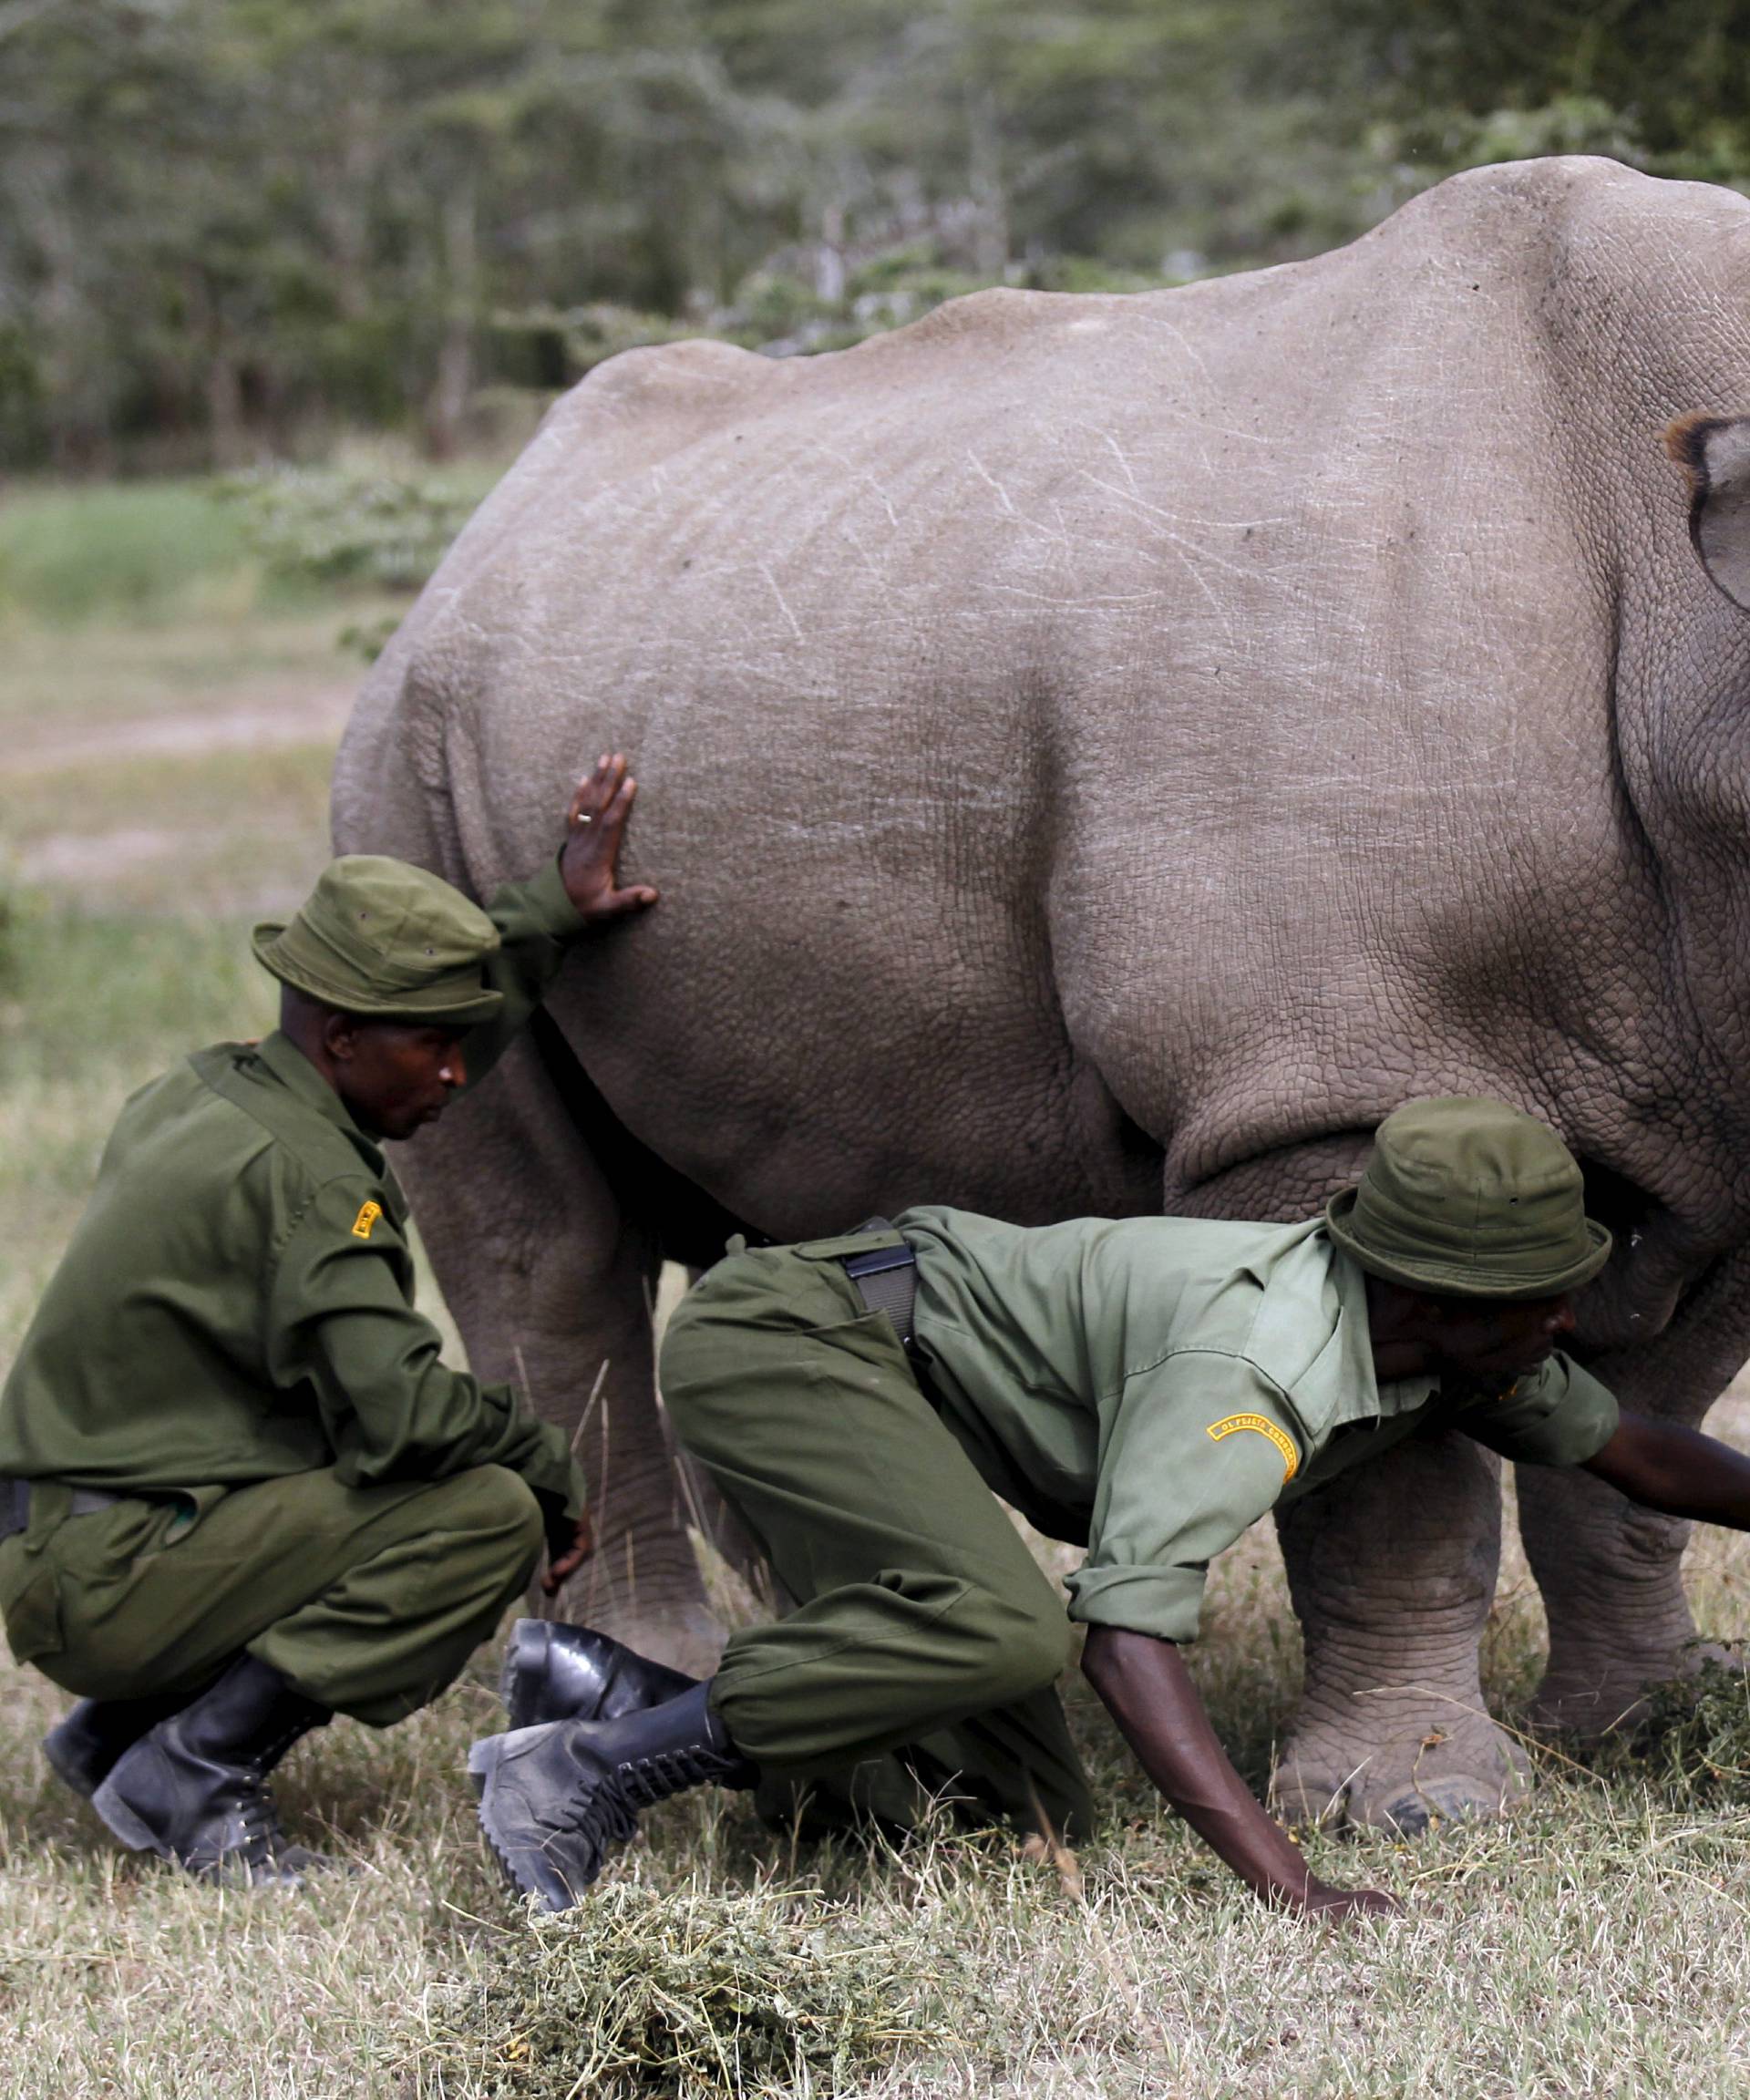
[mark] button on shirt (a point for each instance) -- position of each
(236, 1303)
(1153, 1385)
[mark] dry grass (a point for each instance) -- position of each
(1593, 1944)
(1596, 1943)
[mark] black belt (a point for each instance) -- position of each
(14, 1503)
(887, 1281)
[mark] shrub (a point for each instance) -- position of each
(348, 525)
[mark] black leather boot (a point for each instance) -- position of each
(554, 1799)
(195, 1789)
(555, 1672)
(83, 1747)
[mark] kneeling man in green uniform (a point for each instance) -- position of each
(239, 1490)
(1147, 1387)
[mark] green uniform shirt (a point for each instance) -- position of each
(1153, 1385)
(236, 1303)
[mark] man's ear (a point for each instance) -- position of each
(340, 1034)
(1715, 451)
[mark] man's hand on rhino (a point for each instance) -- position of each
(566, 1555)
(595, 826)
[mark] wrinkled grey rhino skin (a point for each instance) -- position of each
(1100, 755)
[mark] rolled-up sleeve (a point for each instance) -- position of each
(1192, 1451)
(340, 1325)
(537, 923)
(1560, 1416)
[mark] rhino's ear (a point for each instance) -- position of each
(1714, 450)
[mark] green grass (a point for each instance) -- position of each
(141, 553)
(89, 1009)
(130, 550)
(60, 686)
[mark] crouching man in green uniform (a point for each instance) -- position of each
(1150, 1387)
(239, 1491)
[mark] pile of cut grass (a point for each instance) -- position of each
(1691, 1748)
(699, 1993)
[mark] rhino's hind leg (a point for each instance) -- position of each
(1611, 1578)
(1612, 1573)
(550, 1279)
(1392, 1570)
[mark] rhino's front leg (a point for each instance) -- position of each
(549, 1282)
(1611, 1578)
(1392, 1570)
(1612, 1573)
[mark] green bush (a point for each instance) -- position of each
(350, 525)
(588, 335)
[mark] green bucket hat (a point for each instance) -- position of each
(1471, 1196)
(386, 938)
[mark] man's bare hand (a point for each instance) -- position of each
(561, 1570)
(594, 827)
(1148, 1692)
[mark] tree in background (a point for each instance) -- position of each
(229, 228)
(1664, 84)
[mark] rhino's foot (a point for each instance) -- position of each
(1589, 1695)
(1416, 1772)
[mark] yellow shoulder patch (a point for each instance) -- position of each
(368, 1214)
(1284, 1443)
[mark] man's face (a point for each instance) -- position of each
(394, 1076)
(1494, 1341)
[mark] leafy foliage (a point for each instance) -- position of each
(1661, 84)
(344, 525)
(230, 229)
(227, 227)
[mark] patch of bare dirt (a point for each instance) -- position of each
(304, 717)
(72, 857)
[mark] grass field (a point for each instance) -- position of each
(1597, 1942)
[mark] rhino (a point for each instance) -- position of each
(1100, 755)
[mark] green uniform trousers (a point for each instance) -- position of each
(368, 1599)
(924, 1625)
